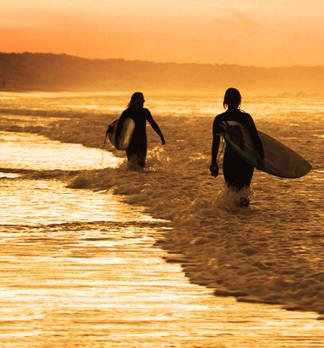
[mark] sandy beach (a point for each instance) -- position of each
(268, 255)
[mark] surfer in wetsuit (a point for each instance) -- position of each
(137, 149)
(237, 172)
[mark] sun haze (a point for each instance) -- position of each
(244, 32)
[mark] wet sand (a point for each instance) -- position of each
(270, 252)
(81, 268)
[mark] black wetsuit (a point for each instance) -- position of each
(237, 172)
(137, 149)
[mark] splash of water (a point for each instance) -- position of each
(158, 158)
(230, 198)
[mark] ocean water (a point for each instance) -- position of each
(81, 267)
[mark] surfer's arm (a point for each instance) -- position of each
(215, 146)
(154, 125)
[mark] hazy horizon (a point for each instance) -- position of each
(157, 61)
(46, 71)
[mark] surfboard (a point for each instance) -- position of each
(125, 134)
(279, 159)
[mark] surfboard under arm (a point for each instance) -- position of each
(124, 137)
(244, 155)
(126, 133)
(279, 159)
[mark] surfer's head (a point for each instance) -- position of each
(137, 101)
(232, 99)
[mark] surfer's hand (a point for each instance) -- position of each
(214, 169)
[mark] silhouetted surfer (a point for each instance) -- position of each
(136, 151)
(237, 173)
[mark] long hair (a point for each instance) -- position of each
(136, 101)
(232, 98)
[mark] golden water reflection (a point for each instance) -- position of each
(105, 284)
(31, 151)
(80, 269)
(34, 202)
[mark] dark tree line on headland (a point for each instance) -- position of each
(53, 72)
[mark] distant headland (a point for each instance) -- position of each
(59, 72)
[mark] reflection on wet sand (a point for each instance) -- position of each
(105, 284)
(80, 268)
(29, 151)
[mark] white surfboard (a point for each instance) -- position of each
(279, 159)
(125, 134)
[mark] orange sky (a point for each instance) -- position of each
(245, 32)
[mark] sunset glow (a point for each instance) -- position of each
(244, 32)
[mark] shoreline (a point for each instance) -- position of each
(222, 249)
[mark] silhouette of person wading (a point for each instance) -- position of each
(137, 149)
(237, 173)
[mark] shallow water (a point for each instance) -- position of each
(28, 151)
(104, 284)
(81, 268)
